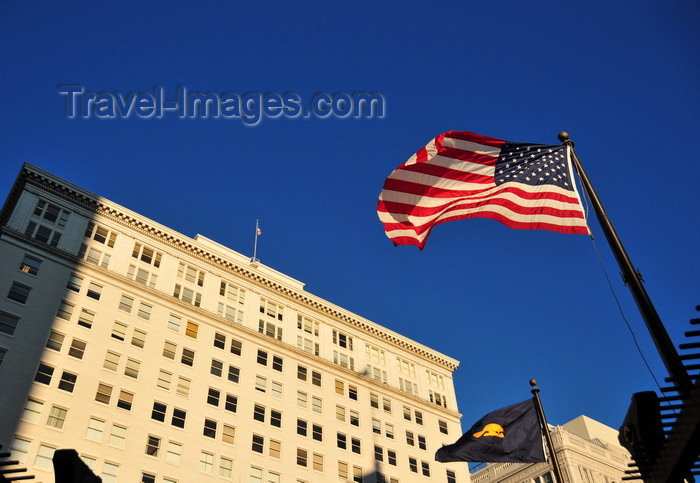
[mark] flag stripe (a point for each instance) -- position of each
(454, 177)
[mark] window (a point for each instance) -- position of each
(270, 329)
(407, 413)
(44, 374)
(169, 349)
(228, 435)
(19, 293)
(410, 438)
(20, 449)
(67, 382)
(74, 283)
(271, 309)
(164, 379)
(342, 441)
(389, 430)
(187, 295)
(236, 347)
(44, 457)
(104, 393)
(301, 373)
(110, 472)
(174, 453)
(307, 325)
(234, 373)
(217, 368)
(356, 448)
(318, 462)
(187, 357)
(132, 368)
(191, 274)
(55, 341)
(117, 437)
(357, 474)
(231, 403)
(138, 339)
(317, 432)
(148, 478)
(451, 476)
(258, 443)
(174, 323)
(183, 386)
(419, 417)
(30, 265)
(260, 384)
(8, 323)
(43, 233)
(374, 400)
(255, 475)
(94, 291)
(126, 304)
(276, 389)
(425, 467)
(275, 418)
(95, 429)
(230, 313)
(219, 341)
(179, 416)
(191, 330)
(301, 399)
(277, 363)
(126, 399)
(391, 457)
(232, 292)
(352, 392)
(275, 449)
(302, 457)
(147, 255)
(413, 465)
(77, 349)
(301, 427)
(308, 345)
(206, 462)
(421, 442)
(86, 318)
(340, 413)
(316, 404)
(226, 468)
(339, 387)
(152, 445)
(342, 470)
(158, 412)
(32, 410)
(119, 330)
(144, 311)
(213, 396)
(443, 426)
(209, 428)
(100, 234)
(376, 426)
(437, 398)
(316, 378)
(111, 361)
(378, 453)
(342, 340)
(262, 357)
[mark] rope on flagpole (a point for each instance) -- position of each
(545, 428)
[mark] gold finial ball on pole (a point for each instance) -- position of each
(533, 382)
(563, 136)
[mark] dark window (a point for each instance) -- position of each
(179, 418)
(158, 412)
(259, 413)
(19, 293)
(67, 382)
(277, 363)
(8, 323)
(213, 396)
(236, 347)
(219, 340)
(233, 373)
(209, 428)
(30, 265)
(44, 374)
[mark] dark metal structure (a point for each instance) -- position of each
(663, 440)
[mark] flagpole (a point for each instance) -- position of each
(548, 437)
(255, 245)
(633, 280)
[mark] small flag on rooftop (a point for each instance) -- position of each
(508, 435)
(462, 175)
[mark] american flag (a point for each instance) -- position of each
(462, 175)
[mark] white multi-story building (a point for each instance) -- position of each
(164, 358)
(587, 451)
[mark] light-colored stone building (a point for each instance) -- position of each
(163, 358)
(588, 452)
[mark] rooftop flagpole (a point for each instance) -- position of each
(633, 280)
(255, 245)
(545, 429)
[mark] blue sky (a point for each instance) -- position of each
(511, 305)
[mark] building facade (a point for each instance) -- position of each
(164, 358)
(587, 451)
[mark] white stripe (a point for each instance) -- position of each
(471, 146)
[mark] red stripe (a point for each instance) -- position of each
(430, 191)
(474, 138)
(447, 173)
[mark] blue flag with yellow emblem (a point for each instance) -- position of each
(508, 435)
